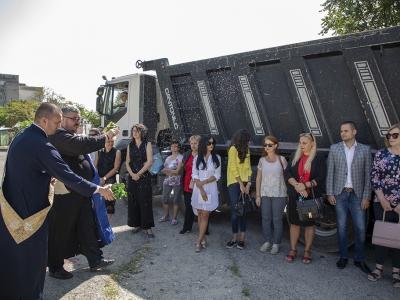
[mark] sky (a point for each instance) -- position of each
(67, 45)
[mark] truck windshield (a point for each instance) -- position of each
(116, 98)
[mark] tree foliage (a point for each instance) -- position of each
(17, 111)
(348, 16)
(23, 112)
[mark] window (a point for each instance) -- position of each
(116, 98)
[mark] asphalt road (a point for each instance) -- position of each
(167, 267)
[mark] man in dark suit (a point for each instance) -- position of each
(31, 163)
(72, 224)
(348, 187)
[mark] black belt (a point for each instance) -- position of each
(348, 190)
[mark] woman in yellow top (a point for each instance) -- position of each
(238, 181)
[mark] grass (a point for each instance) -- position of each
(111, 288)
(235, 269)
(246, 292)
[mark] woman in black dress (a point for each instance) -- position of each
(139, 158)
(306, 171)
(107, 163)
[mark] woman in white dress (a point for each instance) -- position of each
(206, 172)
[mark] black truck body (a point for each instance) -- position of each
(284, 91)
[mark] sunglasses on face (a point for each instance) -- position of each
(392, 135)
(269, 145)
(209, 143)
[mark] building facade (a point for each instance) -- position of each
(12, 89)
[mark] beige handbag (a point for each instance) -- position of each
(386, 234)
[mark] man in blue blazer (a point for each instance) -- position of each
(31, 163)
(348, 187)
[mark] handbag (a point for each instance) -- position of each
(244, 205)
(386, 234)
(310, 209)
(157, 164)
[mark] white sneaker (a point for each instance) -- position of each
(265, 247)
(275, 249)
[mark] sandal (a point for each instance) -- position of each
(163, 219)
(375, 275)
(291, 256)
(307, 257)
(396, 279)
(204, 244)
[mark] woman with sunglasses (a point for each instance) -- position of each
(271, 194)
(239, 182)
(205, 173)
(385, 178)
(306, 177)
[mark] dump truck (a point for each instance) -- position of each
(282, 91)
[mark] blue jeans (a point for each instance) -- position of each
(234, 192)
(348, 202)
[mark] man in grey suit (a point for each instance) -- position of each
(348, 187)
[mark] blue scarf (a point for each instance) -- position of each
(104, 229)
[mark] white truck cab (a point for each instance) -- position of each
(132, 99)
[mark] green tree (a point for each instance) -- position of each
(49, 95)
(89, 115)
(17, 111)
(348, 16)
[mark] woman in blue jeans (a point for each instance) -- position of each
(239, 182)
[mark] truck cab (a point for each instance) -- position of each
(132, 99)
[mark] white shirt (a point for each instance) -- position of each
(349, 158)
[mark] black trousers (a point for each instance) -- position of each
(140, 203)
(380, 251)
(189, 215)
(72, 230)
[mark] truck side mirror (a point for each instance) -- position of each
(100, 91)
(99, 104)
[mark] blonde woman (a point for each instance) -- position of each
(306, 171)
(271, 194)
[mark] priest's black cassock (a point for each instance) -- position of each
(71, 220)
(31, 163)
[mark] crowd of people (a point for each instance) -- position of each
(86, 166)
(348, 178)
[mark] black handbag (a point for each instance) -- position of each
(310, 209)
(244, 205)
